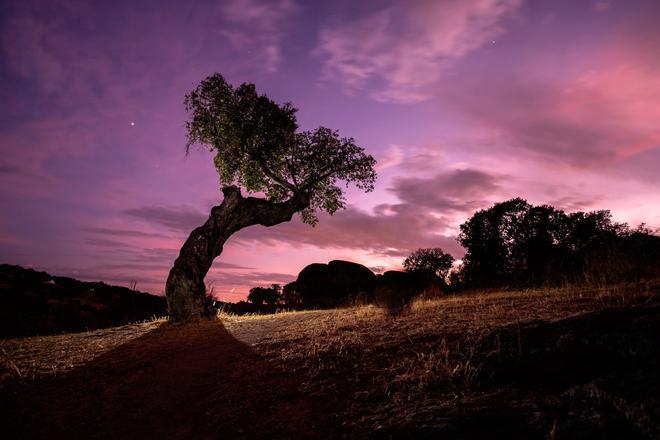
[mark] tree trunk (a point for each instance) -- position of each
(185, 290)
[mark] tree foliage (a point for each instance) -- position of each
(257, 147)
(433, 260)
(514, 242)
(290, 296)
(265, 295)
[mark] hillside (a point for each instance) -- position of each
(564, 363)
(36, 303)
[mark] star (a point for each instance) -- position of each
(132, 124)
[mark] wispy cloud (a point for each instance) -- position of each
(398, 53)
(593, 118)
(177, 218)
(427, 215)
(258, 28)
(459, 191)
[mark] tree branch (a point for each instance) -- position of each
(277, 179)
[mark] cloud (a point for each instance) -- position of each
(10, 169)
(104, 242)
(400, 52)
(123, 233)
(392, 230)
(573, 203)
(230, 278)
(392, 157)
(601, 5)
(590, 119)
(178, 218)
(412, 158)
(377, 269)
(457, 190)
(258, 27)
(427, 216)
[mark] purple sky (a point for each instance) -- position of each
(463, 103)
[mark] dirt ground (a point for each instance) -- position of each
(460, 367)
(193, 381)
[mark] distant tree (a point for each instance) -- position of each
(258, 149)
(489, 236)
(514, 242)
(433, 260)
(456, 278)
(265, 295)
(290, 295)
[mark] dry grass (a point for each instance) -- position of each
(37, 356)
(388, 365)
(382, 369)
(421, 337)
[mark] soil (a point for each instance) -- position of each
(191, 381)
(562, 364)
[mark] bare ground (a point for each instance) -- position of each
(474, 366)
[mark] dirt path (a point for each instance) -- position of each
(193, 381)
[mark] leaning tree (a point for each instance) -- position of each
(259, 149)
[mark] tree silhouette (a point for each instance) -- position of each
(258, 149)
(489, 237)
(290, 295)
(433, 260)
(268, 295)
(516, 243)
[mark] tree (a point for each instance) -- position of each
(433, 260)
(290, 295)
(269, 295)
(259, 149)
(516, 243)
(489, 237)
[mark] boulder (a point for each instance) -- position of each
(395, 289)
(335, 284)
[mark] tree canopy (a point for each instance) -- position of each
(514, 242)
(433, 260)
(258, 147)
(268, 295)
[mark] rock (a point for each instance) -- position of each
(335, 284)
(397, 289)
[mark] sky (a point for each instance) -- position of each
(463, 104)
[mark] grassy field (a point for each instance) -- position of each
(432, 368)
(552, 363)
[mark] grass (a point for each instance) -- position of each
(342, 333)
(395, 368)
(37, 356)
(382, 370)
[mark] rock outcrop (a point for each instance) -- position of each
(335, 284)
(341, 283)
(394, 289)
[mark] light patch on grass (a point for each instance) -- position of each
(393, 360)
(37, 356)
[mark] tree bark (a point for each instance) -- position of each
(185, 289)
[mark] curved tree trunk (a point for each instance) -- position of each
(185, 290)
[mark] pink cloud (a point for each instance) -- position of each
(596, 117)
(409, 46)
(258, 27)
(428, 213)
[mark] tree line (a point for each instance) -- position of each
(516, 244)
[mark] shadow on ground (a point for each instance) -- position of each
(191, 381)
